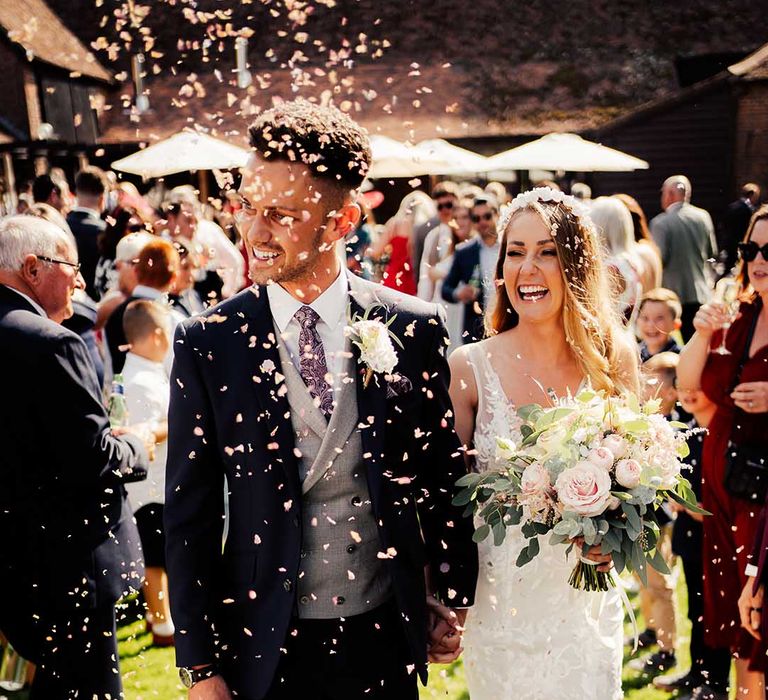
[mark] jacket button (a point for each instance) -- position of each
(303, 554)
(356, 500)
(351, 548)
(304, 599)
(340, 600)
(288, 584)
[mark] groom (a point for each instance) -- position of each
(339, 478)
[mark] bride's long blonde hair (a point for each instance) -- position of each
(592, 326)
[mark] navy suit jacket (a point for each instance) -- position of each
(465, 259)
(69, 539)
(86, 229)
(229, 417)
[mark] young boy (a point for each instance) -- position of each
(708, 675)
(658, 317)
(657, 599)
(147, 393)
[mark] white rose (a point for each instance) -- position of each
(376, 349)
(628, 473)
(601, 457)
(613, 503)
(616, 444)
(505, 449)
(584, 489)
(553, 439)
(535, 479)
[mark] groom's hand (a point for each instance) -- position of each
(210, 689)
(445, 628)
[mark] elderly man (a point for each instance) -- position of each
(70, 547)
(686, 238)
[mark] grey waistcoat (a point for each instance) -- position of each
(341, 574)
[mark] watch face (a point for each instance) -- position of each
(186, 677)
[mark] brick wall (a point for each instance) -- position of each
(751, 141)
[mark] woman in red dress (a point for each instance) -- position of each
(395, 242)
(742, 416)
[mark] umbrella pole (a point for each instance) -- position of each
(202, 185)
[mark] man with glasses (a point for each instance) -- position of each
(470, 280)
(446, 196)
(70, 547)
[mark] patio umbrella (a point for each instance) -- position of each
(187, 150)
(392, 158)
(461, 161)
(565, 152)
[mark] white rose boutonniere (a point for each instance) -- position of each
(374, 340)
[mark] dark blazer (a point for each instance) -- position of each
(229, 416)
(86, 229)
(465, 259)
(69, 539)
(687, 532)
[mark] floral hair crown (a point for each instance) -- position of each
(541, 194)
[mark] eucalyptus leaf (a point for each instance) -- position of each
(481, 533)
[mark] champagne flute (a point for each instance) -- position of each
(727, 293)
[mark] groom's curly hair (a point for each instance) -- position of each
(333, 146)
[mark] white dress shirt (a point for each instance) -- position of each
(331, 307)
(489, 256)
(225, 258)
(147, 393)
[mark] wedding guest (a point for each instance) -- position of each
(470, 280)
(120, 223)
(70, 547)
(582, 191)
(183, 296)
(650, 277)
(498, 191)
(614, 225)
(445, 194)
(86, 223)
(126, 254)
(657, 319)
(222, 258)
(52, 189)
(686, 240)
(147, 393)
(735, 223)
(394, 243)
(157, 266)
(737, 383)
(358, 243)
(708, 675)
(439, 249)
(657, 596)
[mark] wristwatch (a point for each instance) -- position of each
(190, 676)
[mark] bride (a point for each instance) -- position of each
(530, 636)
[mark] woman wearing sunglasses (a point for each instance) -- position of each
(735, 456)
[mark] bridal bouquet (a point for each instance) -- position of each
(590, 467)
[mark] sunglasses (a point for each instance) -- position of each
(750, 249)
(444, 205)
(488, 216)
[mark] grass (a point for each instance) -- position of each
(149, 673)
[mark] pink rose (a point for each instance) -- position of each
(601, 457)
(535, 480)
(628, 473)
(613, 503)
(616, 444)
(584, 489)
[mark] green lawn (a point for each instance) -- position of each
(150, 673)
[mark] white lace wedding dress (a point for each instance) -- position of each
(530, 636)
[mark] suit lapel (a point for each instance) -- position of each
(371, 400)
(269, 385)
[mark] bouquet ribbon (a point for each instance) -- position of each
(625, 602)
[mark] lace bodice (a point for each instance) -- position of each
(530, 636)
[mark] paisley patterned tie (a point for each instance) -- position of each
(312, 365)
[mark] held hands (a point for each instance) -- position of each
(751, 608)
(445, 626)
(751, 397)
(143, 432)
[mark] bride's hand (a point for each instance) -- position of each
(594, 554)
